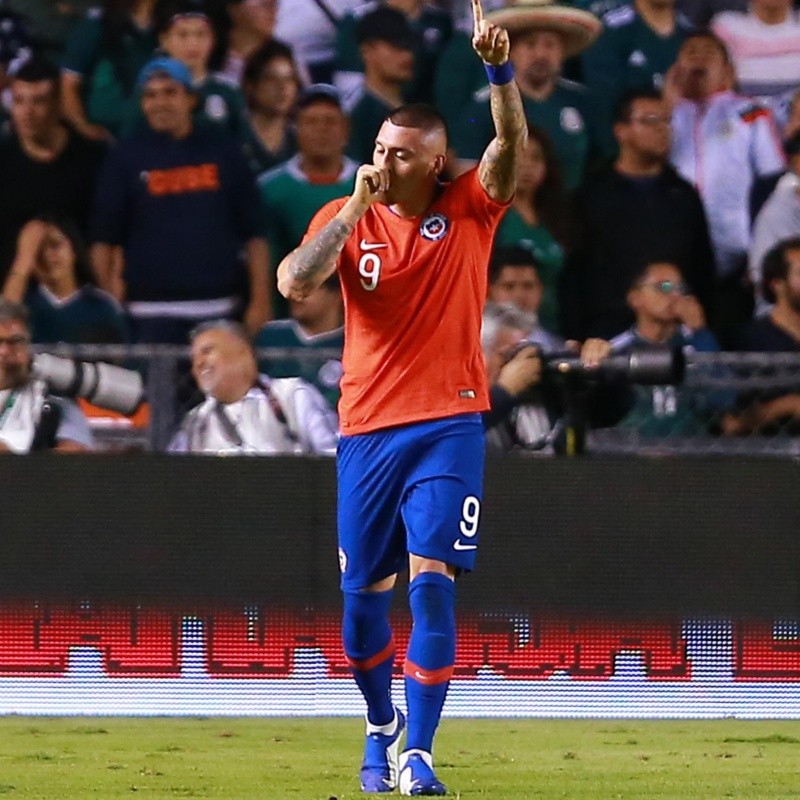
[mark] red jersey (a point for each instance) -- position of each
(414, 291)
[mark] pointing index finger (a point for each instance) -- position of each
(477, 12)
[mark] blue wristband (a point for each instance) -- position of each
(501, 74)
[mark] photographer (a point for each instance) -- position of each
(525, 410)
(31, 418)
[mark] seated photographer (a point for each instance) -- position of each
(778, 332)
(30, 417)
(247, 413)
(667, 314)
(514, 278)
(50, 274)
(525, 411)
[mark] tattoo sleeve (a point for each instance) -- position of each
(315, 259)
(498, 164)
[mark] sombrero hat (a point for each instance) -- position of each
(577, 28)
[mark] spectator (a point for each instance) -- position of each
(776, 332)
(459, 75)
(633, 214)
(542, 36)
(538, 219)
(701, 12)
(45, 166)
(320, 172)
(245, 413)
(252, 25)
(667, 315)
(778, 219)
(721, 144)
(764, 46)
(387, 48)
(104, 54)
(311, 28)
(181, 203)
(187, 32)
(515, 279)
(316, 323)
(638, 45)
(525, 410)
(30, 417)
(431, 29)
(271, 85)
(50, 24)
(51, 274)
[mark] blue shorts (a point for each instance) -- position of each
(411, 489)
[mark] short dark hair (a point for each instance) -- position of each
(510, 256)
(775, 266)
(14, 312)
(641, 275)
(37, 68)
(705, 33)
(255, 64)
(624, 106)
(418, 115)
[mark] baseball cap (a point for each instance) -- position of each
(165, 66)
(386, 24)
(320, 91)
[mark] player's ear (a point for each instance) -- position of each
(439, 162)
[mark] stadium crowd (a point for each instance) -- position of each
(159, 158)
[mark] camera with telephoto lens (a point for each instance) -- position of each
(105, 385)
(651, 366)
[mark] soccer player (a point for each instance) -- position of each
(412, 258)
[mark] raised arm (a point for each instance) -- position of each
(497, 169)
(309, 265)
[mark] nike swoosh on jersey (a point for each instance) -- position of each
(459, 545)
(365, 245)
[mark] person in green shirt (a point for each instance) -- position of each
(537, 220)
(48, 23)
(639, 43)
(458, 76)
(104, 54)
(387, 49)
(319, 173)
(186, 32)
(541, 38)
(316, 324)
(432, 28)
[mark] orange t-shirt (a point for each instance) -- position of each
(413, 294)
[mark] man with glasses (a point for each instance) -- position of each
(634, 213)
(30, 418)
(667, 314)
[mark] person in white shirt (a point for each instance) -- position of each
(245, 413)
(779, 219)
(721, 143)
(764, 44)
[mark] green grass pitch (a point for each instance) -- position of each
(317, 759)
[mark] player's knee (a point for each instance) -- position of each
(418, 565)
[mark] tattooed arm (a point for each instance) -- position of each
(497, 169)
(310, 264)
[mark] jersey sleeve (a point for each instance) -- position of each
(481, 205)
(322, 218)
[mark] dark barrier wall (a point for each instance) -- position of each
(640, 537)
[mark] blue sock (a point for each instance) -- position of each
(431, 655)
(369, 647)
